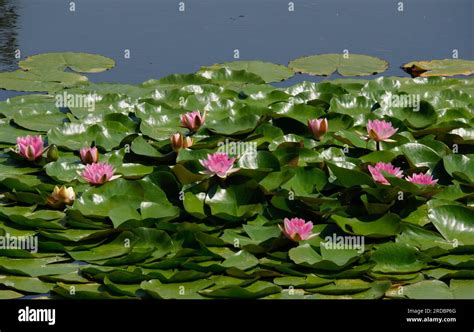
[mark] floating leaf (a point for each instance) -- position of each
(446, 67)
(397, 258)
(460, 166)
(455, 223)
(254, 291)
(241, 260)
(427, 290)
(121, 200)
(183, 290)
(79, 62)
(39, 81)
(387, 225)
(270, 72)
(346, 65)
(34, 267)
(26, 284)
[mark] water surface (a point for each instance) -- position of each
(162, 40)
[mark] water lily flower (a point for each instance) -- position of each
(99, 173)
(297, 229)
(420, 178)
(61, 196)
(179, 141)
(89, 155)
(318, 127)
(192, 120)
(386, 167)
(219, 164)
(380, 130)
(30, 147)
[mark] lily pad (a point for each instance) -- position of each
(39, 81)
(121, 200)
(184, 290)
(455, 223)
(387, 225)
(446, 67)
(345, 65)
(270, 72)
(79, 62)
(397, 258)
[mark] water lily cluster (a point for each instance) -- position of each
(149, 168)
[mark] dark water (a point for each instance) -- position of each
(162, 40)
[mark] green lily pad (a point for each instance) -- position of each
(91, 291)
(241, 260)
(26, 284)
(232, 203)
(397, 258)
(107, 134)
(65, 169)
(310, 281)
(9, 295)
(79, 62)
(39, 81)
(184, 290)
(123, 200)
(428, 290)
(387, 225)
(328, 260)
(270, 72)
(455, 223)
(460, 167)
(350, 65)
(446, 67)
(254, 291)
(420, 155)
(462, 289)
(35, 267)
(343, 286)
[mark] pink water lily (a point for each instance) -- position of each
(386, 167)
(219, 164)
(297, 229)
(318, 127)
(423, 179)
(98, 173)
(192, 120)
(89, 155)
(30, 147)
(380, 130)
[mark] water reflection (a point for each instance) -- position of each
(8, 33)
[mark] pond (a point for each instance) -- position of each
(163, 40)
(169, 177)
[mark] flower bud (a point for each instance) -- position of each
(61, 196)
(179, 141)
(89, 155)
(318, 127)
(53, 153)
(192, 120)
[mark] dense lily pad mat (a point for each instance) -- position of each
(166, 230)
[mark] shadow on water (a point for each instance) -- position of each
(8, 33)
